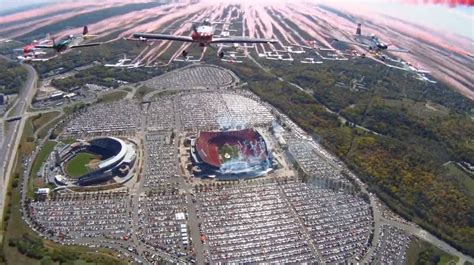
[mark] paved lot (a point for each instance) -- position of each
(392, 246)
(194, 77)
(106, 118)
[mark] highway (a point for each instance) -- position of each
(13, 131)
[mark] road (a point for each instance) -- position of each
(425, 235)
(12, 134)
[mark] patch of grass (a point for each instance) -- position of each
(77, 166)
(42, 155)
(228, 153)
(43, 118)
(38, 162)
(448, 260)
(69, 140)
(141, 92)
(113, 96)
(465, 180)
(70, 109)
(27, 141)
(163, 94)
(43, 131)
(422, 252)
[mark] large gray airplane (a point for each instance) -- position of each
(370, 42)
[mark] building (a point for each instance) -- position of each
(42, 194)
(117, 160)
(230, 154)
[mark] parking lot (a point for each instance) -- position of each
(203, 76)
(163, 221)
(213, 110)
(392, 247)
(161, 115)
(75, 216)
(161, 159)
(249, 224)
(340, 224)
(106, 118)
(312, 163)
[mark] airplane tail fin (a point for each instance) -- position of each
(85, 30)
(359, 29)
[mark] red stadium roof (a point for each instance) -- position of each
(208, 143)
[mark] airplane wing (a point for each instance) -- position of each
(85, 45)
(353, 43)
(242, 40)
(397, 50)
(44, 46)
(423, 71)
(162, 37)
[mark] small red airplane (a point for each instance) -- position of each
(203, 35)
(30, 51)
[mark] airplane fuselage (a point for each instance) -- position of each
(203, 35)
(64, 43)
(372, 42)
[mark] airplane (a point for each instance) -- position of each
(32, 58)
(5, 40)
(67, 42)
(30, 51)
(424, 78)
(310, 60)
(203, 35)
(324, 52)
(232, 58)
(290, 49)
(417, 72)
(121, 62)
(135, 65)
(188, 58)
(370, 42)
(407, 66)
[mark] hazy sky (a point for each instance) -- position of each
(459, 20)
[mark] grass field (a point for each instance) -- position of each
(113, 96)
(40, 158)
(43, 118)
(451, 170)
(42, 155)
(77, 166)
(142, 91)
(422, 252)
(228, 153)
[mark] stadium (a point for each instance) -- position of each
(98, 161)
(231, 154)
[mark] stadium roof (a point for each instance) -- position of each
(116, 158)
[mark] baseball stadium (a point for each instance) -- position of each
(95, 162)
(227, 155)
